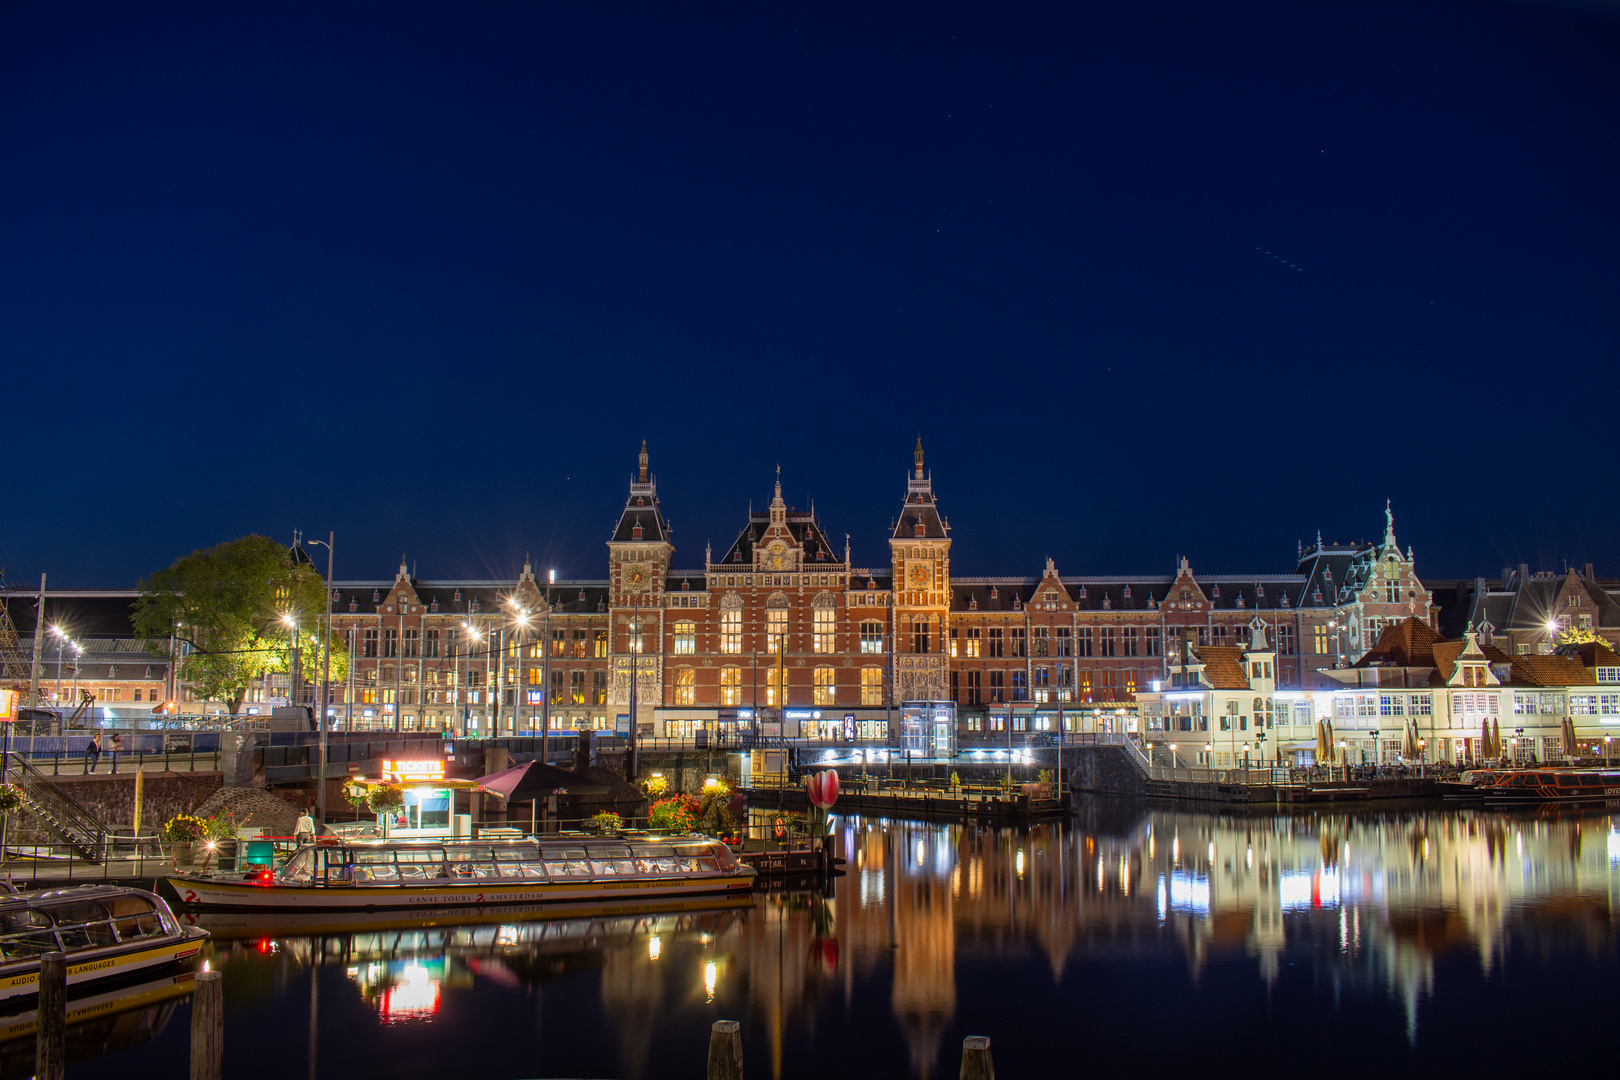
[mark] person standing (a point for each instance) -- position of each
(92, 752)
(304, 830)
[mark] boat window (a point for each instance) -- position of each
(420, 856)
(22, 919)
(136, 918)
(480, 853)
(300, 867)
(371, 858)
(83, 925)
(518, 853)
(610, 851)
(27, 945)
(565, 853)
(649, 851)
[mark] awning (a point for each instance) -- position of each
(533, 778)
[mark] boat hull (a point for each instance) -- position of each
(279, 896)
(97, 964)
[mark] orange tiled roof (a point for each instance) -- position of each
(1223, 666)
(1593, 654)
(1409, 643)
(1551, 671)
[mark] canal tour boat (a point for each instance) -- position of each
(1552, 785)
(105, 932)
(476, 873)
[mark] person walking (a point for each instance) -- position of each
(92, 752)
(304, 830)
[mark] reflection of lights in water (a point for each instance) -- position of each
(922, 851)
(1614, 849)
(1020, 864)
(655, 947)
(1164, 901)
(1124, 876)
(414, 997)
(1248, 858)
(1212, 852)
(1101, 877)
(1175, 848)
(711, 975)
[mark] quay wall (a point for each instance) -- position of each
(1105, 769)
(112, 800)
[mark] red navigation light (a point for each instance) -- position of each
(264, 877)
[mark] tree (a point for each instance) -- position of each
(1579, 636)
(232, 608)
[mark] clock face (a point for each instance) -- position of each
(920, 574)
(636, 577)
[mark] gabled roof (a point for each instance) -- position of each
(802, 525)
(1447, 652)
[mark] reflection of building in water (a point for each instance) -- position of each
(924, 991)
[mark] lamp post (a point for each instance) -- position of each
(1207, 748)
(1606, 739)
(1374, 734)
(326, 671)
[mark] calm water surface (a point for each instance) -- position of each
(1127, 938)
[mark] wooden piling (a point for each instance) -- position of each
(208, 1027)
(976, 1063)
(50, 1030)
(725, 1050)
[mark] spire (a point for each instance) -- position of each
(778, 482)
(1389, 529)
(918, 456)
(643, 460)
(401, 575)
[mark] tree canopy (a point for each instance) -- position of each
(233, 608)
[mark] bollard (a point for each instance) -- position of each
(976, 1063)
(50, 1030)
(725, 1050)
(208, 1027)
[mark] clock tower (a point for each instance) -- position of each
(639, 555)
(920, 558)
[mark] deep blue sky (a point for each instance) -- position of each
(426, 274)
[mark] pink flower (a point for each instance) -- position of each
(822, 788)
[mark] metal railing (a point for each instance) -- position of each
(57, 810)
(111, 858)
(114, 762)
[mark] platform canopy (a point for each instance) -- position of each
(534, 778)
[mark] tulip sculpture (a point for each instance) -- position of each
(822, 787)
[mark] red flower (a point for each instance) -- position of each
(822, 787)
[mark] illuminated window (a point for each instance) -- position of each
(559, 642)
(1018, 642)
(773, 685)
(826, 690)
(823, 617)
(600, 645)
(871, 686)
(973, 641)
(685, 686)
(576, 687)
(776, 622)
(685, 638)
(581, 637)
(1040, 643)
(731, 623)
(731, 686)
(598, 688)
(871, 637)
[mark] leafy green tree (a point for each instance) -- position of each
(229, 606)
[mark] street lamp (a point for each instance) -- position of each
(1606, 739)
(326, 670)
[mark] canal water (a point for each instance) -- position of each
(1127, 939)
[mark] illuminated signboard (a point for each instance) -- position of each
(408, 772)
(8, 706)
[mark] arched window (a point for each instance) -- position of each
(824, 615)
(826, 690)
(685, 686)
(776, 624)
(871, 686)
(731, 623)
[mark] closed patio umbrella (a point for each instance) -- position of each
(1496, 738)
(1485, 750)
(1410, 751)
(1569, 736)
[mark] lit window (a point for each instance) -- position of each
(872, 637)
(871, 686)
(824, 621)
(731, 686)
(685, 638)
(825, 689)
(686, 686)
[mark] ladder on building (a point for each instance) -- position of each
(56, 810)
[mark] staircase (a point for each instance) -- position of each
(52, 807)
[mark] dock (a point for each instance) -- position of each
(918, 802)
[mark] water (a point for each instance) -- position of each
(1126, 938)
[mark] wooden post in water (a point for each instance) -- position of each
(50, 1029)
(725, 1050)
(208, 1027)
(976, 1063)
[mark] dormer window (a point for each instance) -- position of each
(435, 605)
(473, 607)
(1283, 600)
(1240, 600)
(686, 586)
(635, 531)
(921, 531)
(582, 596)
(457, 596)
(1316, 597)
(353, 606)
(1216, 592)
(994, 595)
(736, 556)
(375, 596)
(973, 603)
(1107, 603)
(640, 501)
(1018, 604)
(1327, 573)
(1127, 593)
(601, 605)
(1259, 591)
(1082, 592)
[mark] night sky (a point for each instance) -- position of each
(1149, 279)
